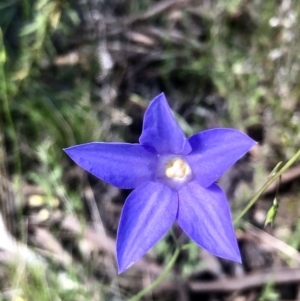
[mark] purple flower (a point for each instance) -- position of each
(174, 180)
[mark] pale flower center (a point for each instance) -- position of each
(177, 169)
(173, 170)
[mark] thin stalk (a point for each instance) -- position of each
(156, 282)
(266, 185)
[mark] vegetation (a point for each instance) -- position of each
(79, 71)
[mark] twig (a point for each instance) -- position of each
(255, 280)
(275, 243)
(116, 26)
(157, 9)
(49, 245)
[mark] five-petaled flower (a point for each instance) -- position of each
(174, 180)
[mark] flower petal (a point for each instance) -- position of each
(161, 131)
(204, 215)
(214, 151)
(121, 164)
(148, 213)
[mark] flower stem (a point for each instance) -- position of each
(156, 282)
(266, 185)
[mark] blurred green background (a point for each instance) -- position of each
(85, 70)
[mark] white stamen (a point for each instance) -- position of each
(174, 170)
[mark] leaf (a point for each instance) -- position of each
(272, 213)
